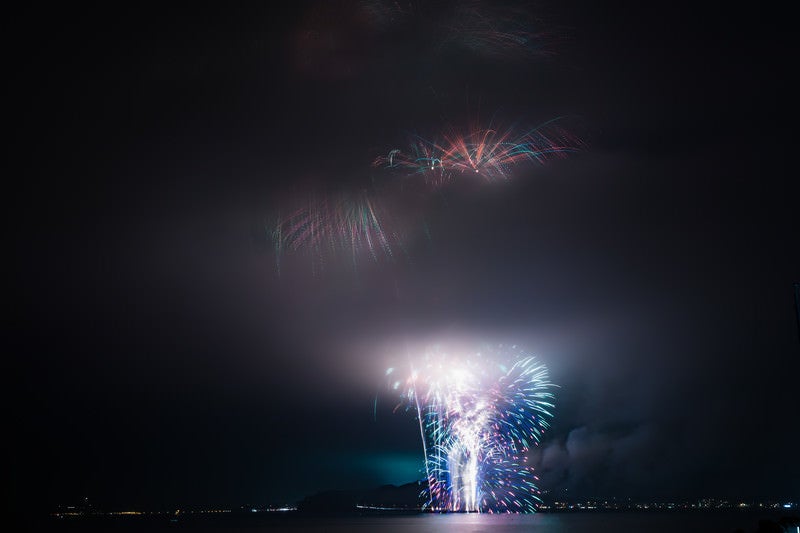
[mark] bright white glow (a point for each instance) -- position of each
(478, 417)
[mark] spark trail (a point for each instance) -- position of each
(349, 225)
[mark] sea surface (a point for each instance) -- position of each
(604, 522)
(572, 522)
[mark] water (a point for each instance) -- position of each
(576, 522)
(601, 522)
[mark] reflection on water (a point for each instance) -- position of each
(726, 521)
(602, 522)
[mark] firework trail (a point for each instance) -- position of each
(495, 31)
(488, 152)
(386, 14)
(330, 226)
(350, 227)
(479, 415)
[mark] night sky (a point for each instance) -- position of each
(159, 359)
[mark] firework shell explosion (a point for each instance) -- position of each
(378, 221)
(479, 415)
(487, 152)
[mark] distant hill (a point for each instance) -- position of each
(386, 498)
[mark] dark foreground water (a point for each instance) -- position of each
(539, 523)
(577, 522)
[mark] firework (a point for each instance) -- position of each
(349, 228)
(378, 221)
(329, 226)
(489, 153)
(496, 31)
(385, 14)
(479, 415)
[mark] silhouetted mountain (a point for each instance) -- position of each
(784, 524)
(386, 498)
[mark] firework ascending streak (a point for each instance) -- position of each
(479, 416)
(487, 152)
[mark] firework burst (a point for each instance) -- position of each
(479, 416)
(489, 153)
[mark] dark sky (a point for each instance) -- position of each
(158, 359)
